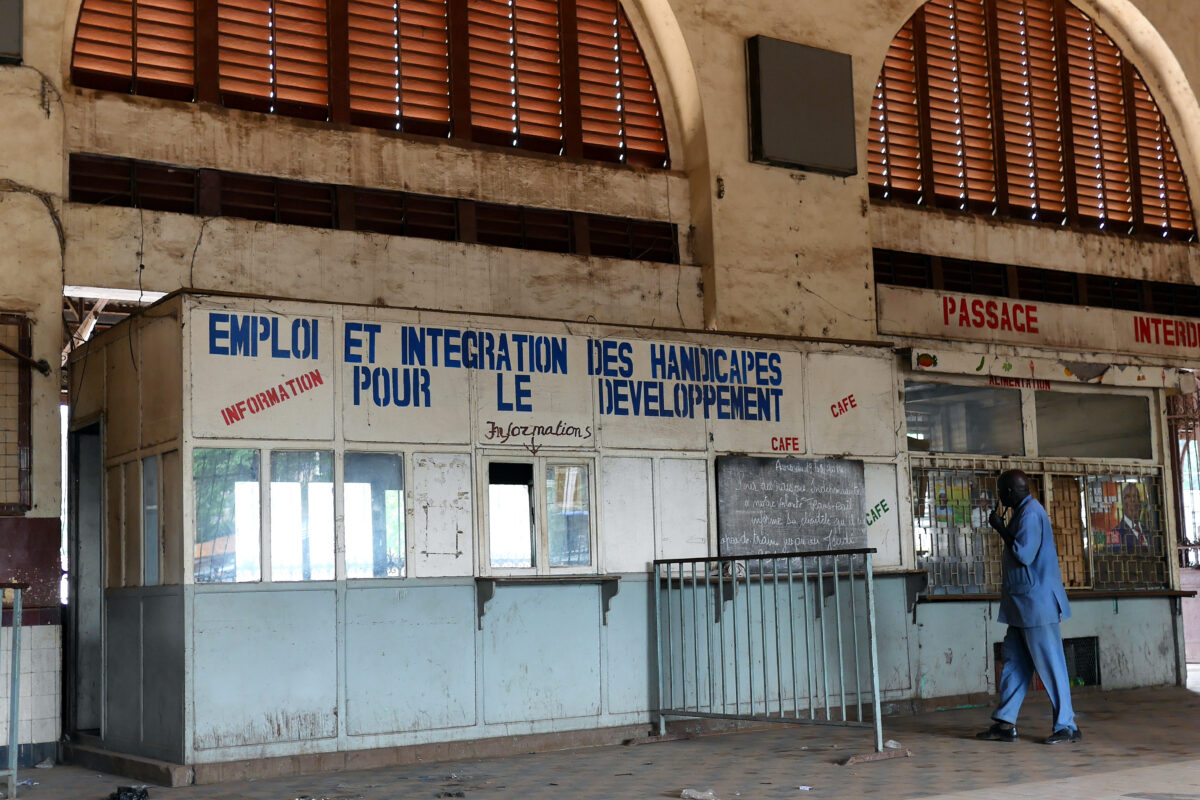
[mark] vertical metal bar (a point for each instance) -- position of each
(708, 626)
(762, 633)
(749, 638)
(854, 622)
(669, 699)
(808, 642)
(837, 607)
(821, 628)
(792, 641)
(682, 646)
(874, 658)
(656, 588)
(778, 654)
(14, 699)
(721, 632)
(737, 658)
(695, 640)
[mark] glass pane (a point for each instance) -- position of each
(1127, 537)
(943, 418)
(227, 515)
(374, 515)
(150, 545)
(301, 515)
(568, 515)
(510, 514)
(1093, 425)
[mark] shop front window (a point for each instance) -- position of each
(1090, 425)
(374, 515)
(945, 418)
(226, 491)
(539, 534)
(302, 515)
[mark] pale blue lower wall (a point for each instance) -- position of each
(284, 670)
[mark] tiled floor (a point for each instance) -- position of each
(1138, 745)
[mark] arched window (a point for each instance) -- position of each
(1023, 109)
(555, 76)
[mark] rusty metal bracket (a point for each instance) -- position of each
(485, 589)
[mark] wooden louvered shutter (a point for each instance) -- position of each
(1165, 203)
(959, 104)
(645, 138)
(616, 92)
(400, 65)
(165, 48)
(103, 57)
(274, 56)
(1033, 155)
(516, 73)
(1098, 127)
(301, 57)
(146, 47)
(894, 141)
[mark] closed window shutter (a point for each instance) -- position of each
(103, 55)
(1164, 193)
(302, 53)
(616, 91)
(894, 139)
(273, 55)
(1098, 125)
(244, 44)
(1082, 138)
(165, 41)
(516, 73)
(147, 47)
(400, 65)
(645, 138)
(394, 71)
(959, 104)
(1033, 155)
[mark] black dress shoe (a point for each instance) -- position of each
(1064, 735)
(999, 732)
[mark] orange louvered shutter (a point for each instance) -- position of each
(301, 53)
(1032, 135)
(516, 73)
(959, 104)
(1165, 203)
(165, 42)
(146, 47)
(894, 140)
(374, 48)
(103, 54)
(274, 55)
(617, 95)
(1098, 126)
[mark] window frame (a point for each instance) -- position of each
(24, 501)
(541, 537)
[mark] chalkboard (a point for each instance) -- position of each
(789, 505)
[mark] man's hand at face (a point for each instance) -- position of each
(997, 521)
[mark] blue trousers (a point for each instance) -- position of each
(1024, 651)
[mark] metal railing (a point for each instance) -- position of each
(14, 689)
(772, 638)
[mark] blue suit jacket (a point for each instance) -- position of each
(1032, 591)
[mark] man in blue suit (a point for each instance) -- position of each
(1032, 602)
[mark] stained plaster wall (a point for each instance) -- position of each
(764, 249)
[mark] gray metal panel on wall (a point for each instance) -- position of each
(122, 671)
(801, 106)
(10, 31)
(264, 666)
(629, 644)
(410, 658)
(528, 672)
(162, 674)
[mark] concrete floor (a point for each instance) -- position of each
(1138, 745)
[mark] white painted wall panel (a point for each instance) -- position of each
(777, 406)
(883, 514)
(682, 508)
(851, 404)
(439, 515)
(627, 500)
(243, 643)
